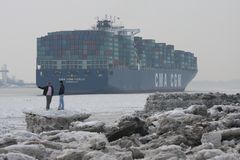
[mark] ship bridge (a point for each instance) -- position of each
(110, 25)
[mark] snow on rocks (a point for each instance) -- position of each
(166, 152)
(208, 154)
(172, 126)
(83, 139)
(36, 151)
(165, 102)
(127, 126)
(52, 120)
(212, 137)
(7, 141)
(91, 126)
(197, 110)
(116, 155)
(136, 153)
(71, 154)
(16, 156)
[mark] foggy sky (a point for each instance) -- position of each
(208, 28)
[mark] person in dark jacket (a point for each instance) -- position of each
(48, 92)
(61, 94)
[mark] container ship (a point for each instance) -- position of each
(111, 59)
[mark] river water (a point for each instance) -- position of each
(104, 107)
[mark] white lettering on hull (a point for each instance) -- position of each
(161, 80)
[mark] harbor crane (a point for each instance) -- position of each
(4, 72)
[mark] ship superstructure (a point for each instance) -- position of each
(111, 59)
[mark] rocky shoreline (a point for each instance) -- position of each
(177, 126)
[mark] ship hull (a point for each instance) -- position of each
(96, 81)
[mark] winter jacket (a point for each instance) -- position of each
(45, 89)
(61, 90)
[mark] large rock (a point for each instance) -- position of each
(83, 140)
(136, 153)
(126, 127)
(197, 110)
(148, 138)
(202, 147)
(167, 124)
(46, 144)
(227, 157)
(52, 120)
(36, 151)
(7, 141)
(112, 155)
(182, 133)
(166, 152)
(16, 156)
(71, 154)
(127, 142)
(212, 137)
(206, 154)
(228, 134)
(184, 128)
(164, 102)
(22, 136)
(91, 126)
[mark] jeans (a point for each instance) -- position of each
(61, 103)
(48, 100)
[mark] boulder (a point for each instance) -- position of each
(148, 138)
(96, 155)
(167, 124)
(136, 153)
(91, 126)
(46, 144)
(36, 151)
(52, 120)
(202, 147)
(83, 139)
(127, 142)
(231, 120)
(165, 102)
(47, 134)
(166, 152)
(206, 154)
(230, 143)
(16, 156)
(229, 134)
(176, 140)
(112, 155)
(7, 141)
(22, 136)
(71, 154)
(126, 127)
(197, 110)
(212, 137)
(227, 157)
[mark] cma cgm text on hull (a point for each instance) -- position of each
(111, 59)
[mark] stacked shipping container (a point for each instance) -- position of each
(98, 49)
(160, 55)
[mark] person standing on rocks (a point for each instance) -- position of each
(61, 95)
(48, 92)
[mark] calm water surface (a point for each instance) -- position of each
(104, 107)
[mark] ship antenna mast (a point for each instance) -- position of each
(107, 25)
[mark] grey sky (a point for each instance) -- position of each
(209, 28)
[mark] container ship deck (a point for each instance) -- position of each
(111, 59)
